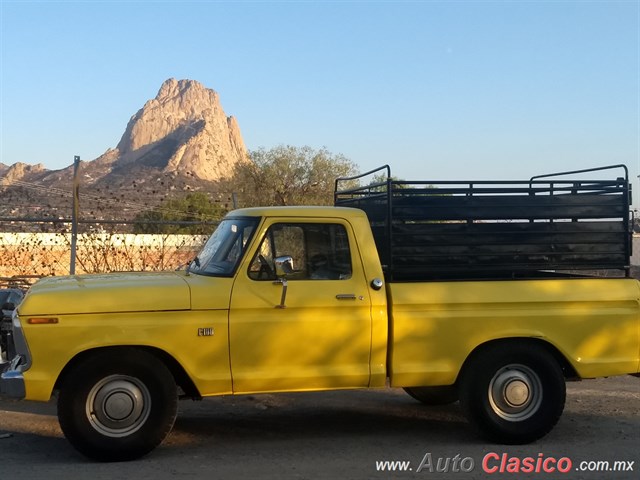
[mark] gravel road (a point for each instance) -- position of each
(341, 435)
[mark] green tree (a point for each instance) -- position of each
(287, 175)
(194, 207)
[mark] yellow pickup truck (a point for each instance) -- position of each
(399, 287)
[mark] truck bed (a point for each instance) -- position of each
(547, 226)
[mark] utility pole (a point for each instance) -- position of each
(74, 214)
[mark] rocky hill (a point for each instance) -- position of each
(183, 129)
(181, 140)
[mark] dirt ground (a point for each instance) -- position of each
(340, 435)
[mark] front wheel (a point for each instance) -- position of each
(513, 394)
(117, 407)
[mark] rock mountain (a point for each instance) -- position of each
(183, 129)
(181, 139)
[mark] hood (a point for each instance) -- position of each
(113, 292)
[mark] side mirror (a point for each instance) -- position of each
(284, 266)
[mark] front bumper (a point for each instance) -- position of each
(11, 379)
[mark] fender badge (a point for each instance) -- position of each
(205, 332)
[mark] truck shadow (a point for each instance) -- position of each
(380, 416)
(348, 417)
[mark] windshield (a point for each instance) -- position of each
(224, 249)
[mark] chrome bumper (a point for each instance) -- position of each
(11, 379)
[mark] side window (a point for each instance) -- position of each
(319, 252)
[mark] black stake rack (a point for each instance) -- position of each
(551, 225)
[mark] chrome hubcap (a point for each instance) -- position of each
(515, 392)
(118, 405)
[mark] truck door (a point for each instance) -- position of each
(317, 335)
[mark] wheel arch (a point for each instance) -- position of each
(568, 370)
(180, 376)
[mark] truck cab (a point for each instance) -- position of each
(322, 323)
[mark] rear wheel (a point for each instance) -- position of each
(116, 407)
(442, 395)
(513, 394)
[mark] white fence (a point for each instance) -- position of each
(635, 257)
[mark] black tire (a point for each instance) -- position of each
(442, 395)
(117, 406)
(513, 394)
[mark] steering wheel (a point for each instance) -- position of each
(265, 268)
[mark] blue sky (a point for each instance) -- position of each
(439, 90)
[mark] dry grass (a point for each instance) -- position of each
(47, 254)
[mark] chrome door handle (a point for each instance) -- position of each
(346, 296)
